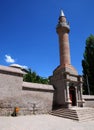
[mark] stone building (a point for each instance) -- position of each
(65, 79)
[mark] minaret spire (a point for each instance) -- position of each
(62, 13)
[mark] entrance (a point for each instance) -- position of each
(72, 95)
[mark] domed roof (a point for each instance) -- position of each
(16, 66)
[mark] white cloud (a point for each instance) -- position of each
(9, 59)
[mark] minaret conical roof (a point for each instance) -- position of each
(62, 13)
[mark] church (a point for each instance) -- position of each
(65, 89)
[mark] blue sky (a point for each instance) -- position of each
(28, 32)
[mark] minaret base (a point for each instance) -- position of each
(68, 87)
(66, 68)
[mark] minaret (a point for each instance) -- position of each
(65, 79)
(63, 30)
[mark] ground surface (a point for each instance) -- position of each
(43, 122)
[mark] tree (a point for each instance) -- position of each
(88, 66)
(33, 77)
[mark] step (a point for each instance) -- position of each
(83, 114)
(66, 116)
(64, 113)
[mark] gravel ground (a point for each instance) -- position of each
(43, 122)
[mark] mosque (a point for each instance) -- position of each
(65, 90)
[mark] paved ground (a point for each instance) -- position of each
(43, 122)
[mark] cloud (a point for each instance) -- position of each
(9, 59)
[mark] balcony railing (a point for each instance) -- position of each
(64, 24)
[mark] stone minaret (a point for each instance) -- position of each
(63, 30)
(65, 79)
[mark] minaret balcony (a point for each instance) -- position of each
(63, 24)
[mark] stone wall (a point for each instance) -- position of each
(57, 81)
(11, 80)
(30, 98)
(89, 100)
(40, 95)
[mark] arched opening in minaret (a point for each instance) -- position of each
(72, 93)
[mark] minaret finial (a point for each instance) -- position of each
(62, 13)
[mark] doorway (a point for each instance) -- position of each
(72, 93)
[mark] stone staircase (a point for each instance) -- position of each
(75, 113)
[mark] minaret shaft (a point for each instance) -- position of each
(63, 30)
(64, 49)
(63, 33)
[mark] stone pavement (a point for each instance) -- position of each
(43, 122)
